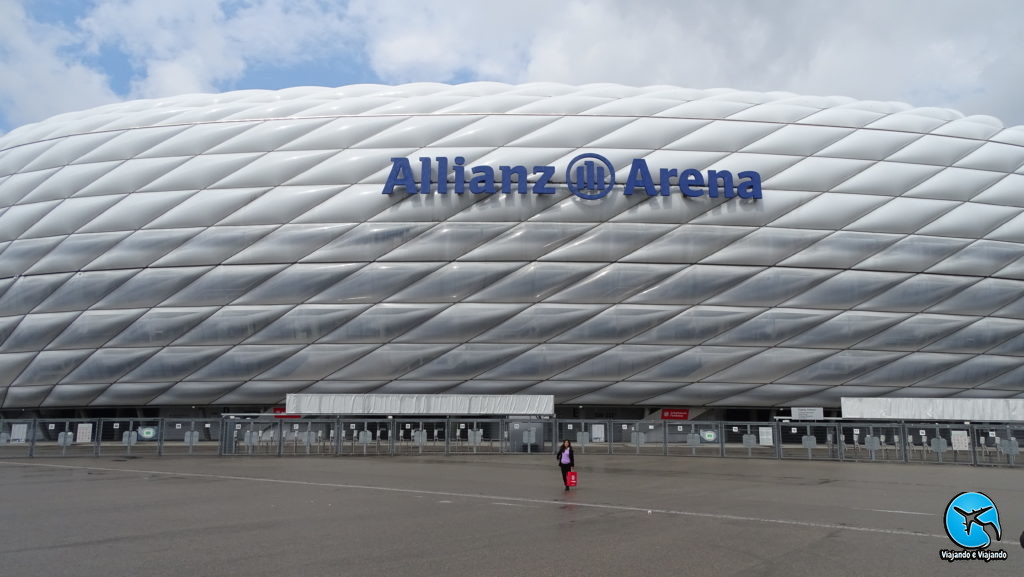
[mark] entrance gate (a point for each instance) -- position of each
(366, 437)
(750, 440)
(997, 444)
(812, 441)
(190, 437)
(475, 436)
(877, 442)
(265, 435)
(694, 439)
(17, 438)
(640, 438)
(528, 436)
(64, 438)
(421, 436)
(585, 436)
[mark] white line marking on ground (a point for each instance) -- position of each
(897, 511)
(718, 516)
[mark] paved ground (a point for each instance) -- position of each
(482, 516)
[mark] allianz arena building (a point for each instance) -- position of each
(620, 248)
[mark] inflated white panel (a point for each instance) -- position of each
(236, 248)
(924, 409)
(411, 404)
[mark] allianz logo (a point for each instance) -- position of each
(590, 176)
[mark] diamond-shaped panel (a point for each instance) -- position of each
(233, 248)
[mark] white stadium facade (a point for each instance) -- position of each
(620, 248)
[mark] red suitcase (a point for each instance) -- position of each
(571, 478)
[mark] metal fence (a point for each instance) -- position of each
(939, 443)
(98, 437)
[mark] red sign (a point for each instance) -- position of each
(279, 413)
(675, 414)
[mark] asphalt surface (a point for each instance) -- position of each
(489, 515)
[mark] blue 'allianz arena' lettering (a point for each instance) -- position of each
(692, 182)
(588, 176)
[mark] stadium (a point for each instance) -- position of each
(623, 249)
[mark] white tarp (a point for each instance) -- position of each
(426, 404)
(911, 409)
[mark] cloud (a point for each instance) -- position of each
(41, 77)
(442, 40)
(201, 46)
(925, 52)
(928, 53)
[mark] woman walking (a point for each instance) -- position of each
(565, 461)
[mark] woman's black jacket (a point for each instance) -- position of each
(572, 462)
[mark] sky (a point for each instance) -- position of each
(63, 55)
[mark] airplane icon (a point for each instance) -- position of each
(972, 519)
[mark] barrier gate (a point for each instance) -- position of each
(266, 435)
(874, 442)
(585, 436)
(811, 441)
(422, 437)
(109, 437)
(529, 436)
(750, 440)
(639, 438)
